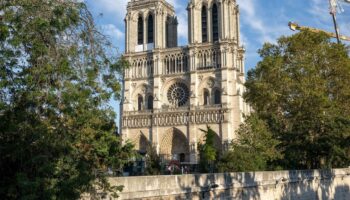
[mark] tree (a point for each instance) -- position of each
(253, 149)
(153, 161)
(56, 79)
(300, 88)
(208, 152)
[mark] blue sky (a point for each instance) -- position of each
(261, 20)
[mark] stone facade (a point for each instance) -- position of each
(172, 92)
(280, 185)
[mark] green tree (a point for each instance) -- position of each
(301, 89)
(56, 78)
(153, 161)
(208, 152)
(253, 149)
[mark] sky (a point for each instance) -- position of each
(261, 21)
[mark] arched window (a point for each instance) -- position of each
(150, 102)
(140, 30)
(206, 97)
(150, 37)
(217, 97)
(139, 103)
(215, 20)
(204, 25)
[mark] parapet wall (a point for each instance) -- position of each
(292, 185)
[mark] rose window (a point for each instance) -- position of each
(178, 94)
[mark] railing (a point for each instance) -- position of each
(161, 118)
(140, 67)
(173, 61)
(138, 112)
(209, 58)
(214, 106)
(168, 109)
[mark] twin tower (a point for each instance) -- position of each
(170, 93)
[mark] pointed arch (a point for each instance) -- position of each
(205, 97)
(204, 24)
(139, 102)
(150, 102)
(140, 142)
(217, 96)
(140, 30)
(217, 140)
(215, 22)
(150, 28)
(174, 145)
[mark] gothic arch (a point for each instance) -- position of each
(209, 58)
(140, 90)
(171, 81)
(140, 30)
(174, 142)
(207, 84)
(206, 97)
(204, 18)
(216, 93)
(150, 102)
(215, 13)
(142, 67)
(150, 27)
(217, 140)
(175, 63)
(140, 102)
(141, 142)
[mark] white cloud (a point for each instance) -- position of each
(252, 19)
(115, 34)
(320, 10)
(244, 40)
(114, 7)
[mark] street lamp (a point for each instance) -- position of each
(334, 5)
(333, 11)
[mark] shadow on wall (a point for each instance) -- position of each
(219, 186)
(277, 185)
(292, 185)
(318, 185)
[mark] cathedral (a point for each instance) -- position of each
(171, 93)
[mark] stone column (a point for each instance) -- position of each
(209, 25)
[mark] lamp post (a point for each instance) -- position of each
(333, 6)
(333, 11)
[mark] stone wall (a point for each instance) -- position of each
(292, 185)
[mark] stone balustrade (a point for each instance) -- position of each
(292, 185)
(177, 117)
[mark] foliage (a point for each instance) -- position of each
(208, 152)
(301, 89)
(153, 166)
(56, 79)
(252, 150)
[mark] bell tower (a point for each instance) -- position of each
(212, 21)
(150, 24)
(171, 93)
